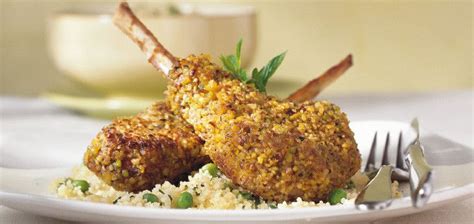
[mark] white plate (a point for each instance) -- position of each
(27, 190)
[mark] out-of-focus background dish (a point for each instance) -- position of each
(88, 49)
(86, 46)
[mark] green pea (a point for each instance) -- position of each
(273, 206)
(185, 200)
(336, 196)
(247, 195)
(149, 197)
(211, 169)
(82, 184)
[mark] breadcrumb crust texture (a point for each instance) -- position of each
(274, 148)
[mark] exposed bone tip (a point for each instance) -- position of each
(119, 15)
(349, 60)
(124, 5)
(157, 55)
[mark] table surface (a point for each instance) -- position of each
(449, 114)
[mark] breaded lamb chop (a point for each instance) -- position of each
(276, 149)
(136, 153)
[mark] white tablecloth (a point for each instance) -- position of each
(449, 114)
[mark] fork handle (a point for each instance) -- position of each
(421, 175)
(377, 194)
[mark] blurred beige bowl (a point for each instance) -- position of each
(89, 48)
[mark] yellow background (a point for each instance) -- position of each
(397, 45)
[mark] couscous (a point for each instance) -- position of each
(205, 189)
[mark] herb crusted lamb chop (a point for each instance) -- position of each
(136, 153)
(276, 149)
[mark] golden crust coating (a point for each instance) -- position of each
(276, 149)
(136, 153)
(170, 127)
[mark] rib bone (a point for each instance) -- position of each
(156, 54)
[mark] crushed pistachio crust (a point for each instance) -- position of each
(136, 153)
(276, 149)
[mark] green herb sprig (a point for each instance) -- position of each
(232, 63)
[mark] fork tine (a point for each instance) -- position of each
(385, 150)
(400, 163)
(371, 160)
(400, 172)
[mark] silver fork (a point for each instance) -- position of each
(378, 192)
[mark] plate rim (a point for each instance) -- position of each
(123, 211)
